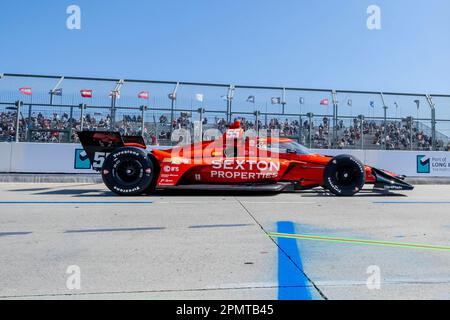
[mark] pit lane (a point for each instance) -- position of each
(211, 245)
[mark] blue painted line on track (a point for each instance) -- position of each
(76, 202)
(7, 234)
(219, 226)
(293, 285)
(114, 230)
(411, 202)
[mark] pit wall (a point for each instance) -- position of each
(68, 158)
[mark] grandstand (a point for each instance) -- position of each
(318, 118)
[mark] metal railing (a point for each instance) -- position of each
(296, 113)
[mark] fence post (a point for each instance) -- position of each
(143, 109)
(410, 122)
(82, 107)
(18, 105)
(230, 102)
(113, 111)
(283, 101)
(300, 129)
(335, 115)
(385, 121)
(201, 111)
(172, 114)
(310, 116)
(433, 122)
(256, 113)
(361, 124)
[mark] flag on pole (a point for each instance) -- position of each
(349, 102)
(275, 100)
(58, 92)
(301, 100)
(114, 93)
(251, 99)
(144, 95)
(199, 97)
(26, 91)
(324, 102)
(86, 93)
(372, 104)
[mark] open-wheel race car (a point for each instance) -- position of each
(232, 162)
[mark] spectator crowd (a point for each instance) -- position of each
(61, 127)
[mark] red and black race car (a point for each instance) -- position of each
(233, 162)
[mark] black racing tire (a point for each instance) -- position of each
(128, 171)
(344, 176)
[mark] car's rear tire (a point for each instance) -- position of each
(344, 176)
(128, 171)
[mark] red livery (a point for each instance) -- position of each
(233, 162)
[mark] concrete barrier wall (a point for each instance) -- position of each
(5, 157)
(68, 158)
(409, 163)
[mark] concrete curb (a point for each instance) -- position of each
(96, 178)
(427, 180)
(49, 178)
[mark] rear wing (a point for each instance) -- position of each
(99, 144)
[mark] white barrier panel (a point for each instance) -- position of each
(71, 158)
(5, 156)
(409, 163)
(48, 158)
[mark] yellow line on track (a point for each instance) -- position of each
(360, 241)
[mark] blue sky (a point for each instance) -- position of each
(322, 43)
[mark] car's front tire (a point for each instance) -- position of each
(344, 176)
(128, 171)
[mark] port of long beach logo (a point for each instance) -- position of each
(434, 165)
(423, 164)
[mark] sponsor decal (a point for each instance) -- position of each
(171, 169)
(433, 165)
(81, 161)
(244, 169)
(250, 165)
(423, 164)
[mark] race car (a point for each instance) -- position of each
(230, 162)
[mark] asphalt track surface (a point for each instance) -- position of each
(197, 245)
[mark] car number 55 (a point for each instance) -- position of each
(99, 159)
